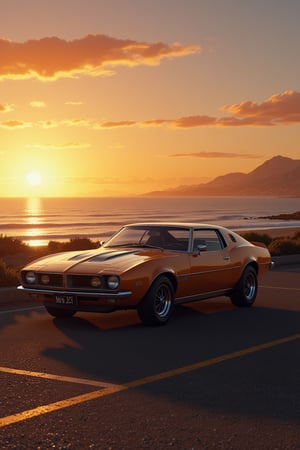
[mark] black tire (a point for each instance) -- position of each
(245, 292)
(157, 306)
(58, 312)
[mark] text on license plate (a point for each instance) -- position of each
(65, 299)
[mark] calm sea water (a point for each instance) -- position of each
(36, 221)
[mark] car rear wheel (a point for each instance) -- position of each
(58, 312)
(157, 305)
(244, 294)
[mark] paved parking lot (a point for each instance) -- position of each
(214, 377)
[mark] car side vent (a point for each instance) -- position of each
(232, 237)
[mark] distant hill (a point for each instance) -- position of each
(279, 176)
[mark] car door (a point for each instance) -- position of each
(210, 262)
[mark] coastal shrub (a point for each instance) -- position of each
(11, 246)
(257, 237)
(81, 244)
(55, 247)
(283, 246)
(72, 244)
(8, 275)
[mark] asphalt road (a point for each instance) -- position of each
(216, 377)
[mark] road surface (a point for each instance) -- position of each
(216, 377)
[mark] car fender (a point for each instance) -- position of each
(140, 278)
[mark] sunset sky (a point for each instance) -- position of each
(122, 97)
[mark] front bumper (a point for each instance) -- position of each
(93, 295)
(76, 300)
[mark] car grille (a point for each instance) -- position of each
(48, 280)
(84, 282)
(55, 280)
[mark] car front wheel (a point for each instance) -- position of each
(157, 305)
(244, 293)
(58, 312)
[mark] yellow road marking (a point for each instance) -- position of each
(44, 409)
(210, 362)
(50, 376)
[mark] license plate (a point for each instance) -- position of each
(65, 299)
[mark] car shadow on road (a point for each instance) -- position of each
(10, 316)
(259, 383)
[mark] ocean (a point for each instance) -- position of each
(36, 221)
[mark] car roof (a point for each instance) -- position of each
(176, 224)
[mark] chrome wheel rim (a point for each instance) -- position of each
(163, 301)
(250, 286)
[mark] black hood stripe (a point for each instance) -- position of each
(110, 255)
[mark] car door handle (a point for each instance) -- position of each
(226, 258)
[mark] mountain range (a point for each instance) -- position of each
(278, 176)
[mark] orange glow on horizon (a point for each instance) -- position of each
(95, 106)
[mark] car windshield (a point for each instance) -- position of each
(165, 237)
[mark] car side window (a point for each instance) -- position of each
(168, 238)
(208, 238)
(178, 239)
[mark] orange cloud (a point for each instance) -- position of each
(48, 123)
(14, 124)
(77, 123)
(122, 123)
(281, 108)
(51, 58)
(73, 103)
(215, 155)
(156, 122)
(38, 104)
(194, 121)
(6, 108)
(69, 145)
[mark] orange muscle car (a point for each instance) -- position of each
(149, 267)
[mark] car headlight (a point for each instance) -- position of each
(113, 282)
(45, 279)
(30, 277)
(95, 282)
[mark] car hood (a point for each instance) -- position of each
(95, 261)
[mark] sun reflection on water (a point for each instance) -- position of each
(33, 217)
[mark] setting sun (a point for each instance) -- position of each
(33, 178)
(72, 121)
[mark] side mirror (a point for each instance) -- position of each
(199, 249)
(101, 243)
